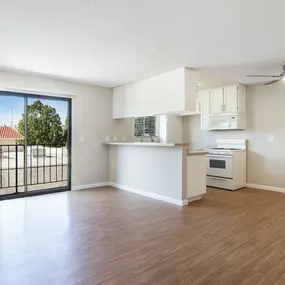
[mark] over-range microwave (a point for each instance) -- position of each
(233, 121)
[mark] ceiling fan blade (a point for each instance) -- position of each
(271, 82)
(252, 75)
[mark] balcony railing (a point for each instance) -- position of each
(45, 165)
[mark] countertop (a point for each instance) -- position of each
(197, 152)
(182, 145)
(148, 144)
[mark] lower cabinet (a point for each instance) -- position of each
(196, 176)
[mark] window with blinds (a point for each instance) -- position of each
(145, 126)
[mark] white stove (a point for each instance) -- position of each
(226, 164)
(221, 150)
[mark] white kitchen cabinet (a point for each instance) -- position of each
(228, 99)
(241, 98)
(217, 100)
(171, 92)
(222, 100)
(196, 176)
(204, 104)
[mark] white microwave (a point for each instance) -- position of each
(227, 122)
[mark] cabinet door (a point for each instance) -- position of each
(204, 96)
(241, 98)
(216, 100)
(231, 98)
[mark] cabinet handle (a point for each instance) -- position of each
(222, 108)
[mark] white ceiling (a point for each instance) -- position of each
(112, 42)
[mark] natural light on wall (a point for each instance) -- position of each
(162, 128)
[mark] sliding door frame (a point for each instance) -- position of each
(27, 193)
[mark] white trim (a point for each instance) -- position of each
(194, 198)
(39, 92)
(185, 202)
(88, 186)
(149, 194)
(264, 187)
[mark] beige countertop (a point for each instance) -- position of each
(155, 144)
(148, 144)
(197, 152)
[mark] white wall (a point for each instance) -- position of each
(91, 121)
(265, 133)
(161, 168)
(7, 141)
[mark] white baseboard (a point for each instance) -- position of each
(150, 194)
(88, 186)
(195, 198)
(264, 187)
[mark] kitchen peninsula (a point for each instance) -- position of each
(163, 171)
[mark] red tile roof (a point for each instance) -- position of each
(9, 133)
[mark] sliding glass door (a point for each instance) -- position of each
(12, 160)
(35, 144)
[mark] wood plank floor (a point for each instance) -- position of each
(106, 236)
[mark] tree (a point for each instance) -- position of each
(65, 130)
(44, 126)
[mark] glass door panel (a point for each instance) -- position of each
(35, 144)
(47, 144)
(12, 151)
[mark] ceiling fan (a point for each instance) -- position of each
(280, 77)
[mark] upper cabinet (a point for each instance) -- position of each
(228, 99)
(224, 100)
(217, 100)
(203, 101)
(172, 92)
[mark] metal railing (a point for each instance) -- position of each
(45, 165)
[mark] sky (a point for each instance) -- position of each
(9, 103)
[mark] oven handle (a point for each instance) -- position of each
(218, 155)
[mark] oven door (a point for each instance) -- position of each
(220, 165)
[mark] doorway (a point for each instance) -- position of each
(35, 144)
